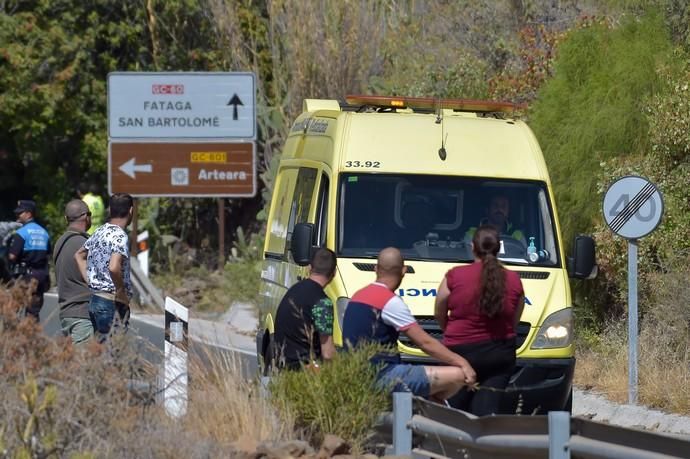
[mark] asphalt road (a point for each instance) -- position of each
(208, 341)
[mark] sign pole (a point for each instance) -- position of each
(633, 207)
(632, 321)
(221, 234)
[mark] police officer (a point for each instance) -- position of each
(87, 193)
(28, 254)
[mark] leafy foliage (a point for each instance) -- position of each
(668, 165)
(54, 60)
(521, 81)
(590, 110)
(326, 399)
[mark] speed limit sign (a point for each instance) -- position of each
(633, 207)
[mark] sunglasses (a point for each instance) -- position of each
(87, 213)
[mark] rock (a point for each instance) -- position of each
(245, 445)
(333, 446)
(285, 450)
(368, 456)
(239, 453)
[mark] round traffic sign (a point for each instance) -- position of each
(633, 207)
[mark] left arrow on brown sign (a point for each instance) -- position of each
(130, 168)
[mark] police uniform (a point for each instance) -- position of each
(30, 247)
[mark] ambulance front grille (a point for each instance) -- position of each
(429, 325)
(371, 266)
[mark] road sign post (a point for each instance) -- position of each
(182, 134)
(221, 234)
(633, 207)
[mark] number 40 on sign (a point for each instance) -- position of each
(633, 207)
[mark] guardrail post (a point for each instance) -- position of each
(559, 435)
(402, 414)
(263, 386)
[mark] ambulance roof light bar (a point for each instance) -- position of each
(432, 103)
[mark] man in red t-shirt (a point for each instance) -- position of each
(375, 314)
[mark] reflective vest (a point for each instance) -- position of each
(95, 204)
(509, 231)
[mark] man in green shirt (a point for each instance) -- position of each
(88, 194)
(303, 334)
(498, 216)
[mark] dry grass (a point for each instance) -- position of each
(664, 347)
(62, 401)
(226, 408)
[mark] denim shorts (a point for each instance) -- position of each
(405, 378)
(102, 314)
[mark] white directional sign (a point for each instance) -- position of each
(181, 105)
(633, 207)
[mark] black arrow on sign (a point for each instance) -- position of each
(235, 101)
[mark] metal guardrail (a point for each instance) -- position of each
(148, 293)
(421, 428)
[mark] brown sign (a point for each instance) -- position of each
(182, 169)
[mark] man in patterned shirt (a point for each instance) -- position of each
(304, 320)
(104, 262)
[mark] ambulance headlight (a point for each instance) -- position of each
(556, 331)
(340, 307)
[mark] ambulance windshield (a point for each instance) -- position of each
(435, 217)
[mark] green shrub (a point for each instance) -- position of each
(340, 397)
(242, 281)
(590, 110)
(668, 165)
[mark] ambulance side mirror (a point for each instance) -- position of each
(582, 265)
(302, 243)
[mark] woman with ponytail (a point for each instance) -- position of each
(478, 307)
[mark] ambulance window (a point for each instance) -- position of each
(301, 201)
(322, 212)
(277, 229)
(546, 231)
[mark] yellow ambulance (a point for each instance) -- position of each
(421, 174)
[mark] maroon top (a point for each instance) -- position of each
(465, 323)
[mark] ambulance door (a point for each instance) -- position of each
(306, 204)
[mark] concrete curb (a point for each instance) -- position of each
(597, 408)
